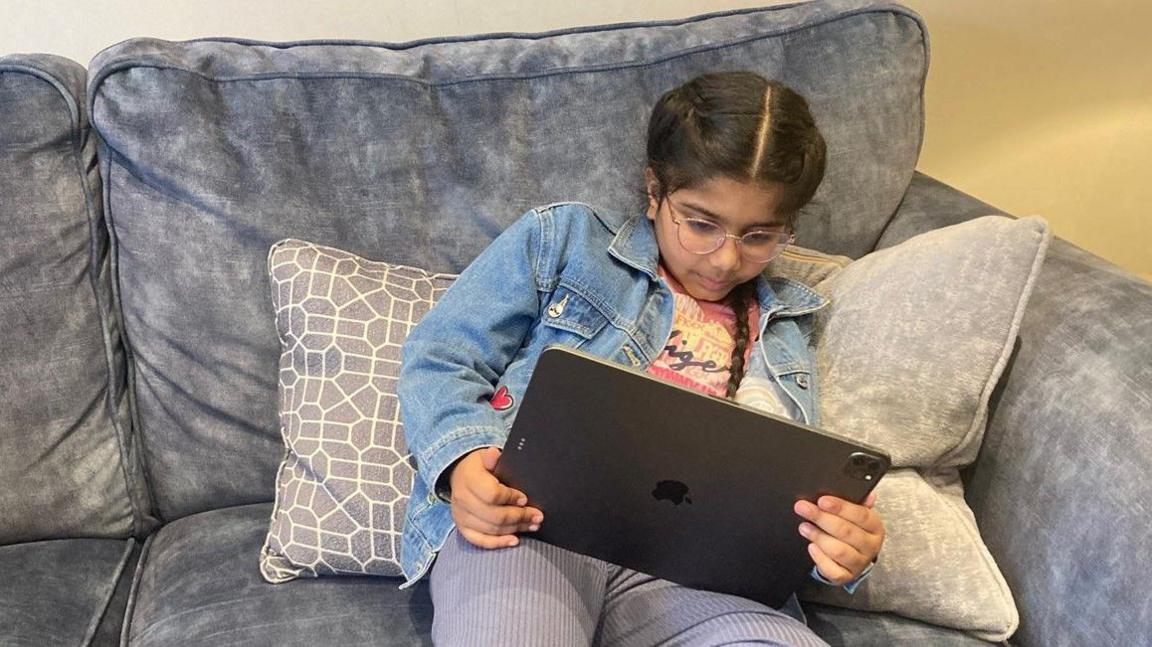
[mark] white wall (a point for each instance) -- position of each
(1036, 106)
(79, 29)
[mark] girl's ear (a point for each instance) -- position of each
(653, 187)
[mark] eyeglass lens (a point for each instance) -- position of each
(703, 237)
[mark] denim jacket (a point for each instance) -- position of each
(562, 274)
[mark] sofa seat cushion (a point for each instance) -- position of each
(839, 626)
(56, 592)
(199, 583)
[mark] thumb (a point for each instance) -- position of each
(488, 458)
(870, 500)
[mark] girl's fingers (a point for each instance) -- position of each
(487, 541)
(489, 513)
(488, 458)
(509, 496)
(829, 569)
(841, 530)
(852, 523)
(843, 554)
(466, 519)
(502, 520)
(494, 519)
(490, 490)
(861, 515)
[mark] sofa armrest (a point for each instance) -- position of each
(930, 204)
(1062, 489)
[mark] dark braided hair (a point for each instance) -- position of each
(739, 300)
(739, 126)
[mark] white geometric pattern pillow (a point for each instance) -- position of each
(343, 486)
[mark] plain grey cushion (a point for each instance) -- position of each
(56, 592)
(68, 466)
(909, 351)
(421, 154)
(917, 335)
(199, 584)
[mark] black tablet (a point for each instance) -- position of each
(664, 480)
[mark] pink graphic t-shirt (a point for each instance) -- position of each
(698, 353)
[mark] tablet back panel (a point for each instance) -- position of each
(670, 482)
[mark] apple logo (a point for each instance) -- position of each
(673, 491)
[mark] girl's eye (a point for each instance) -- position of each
(701, 227)
(762, 238)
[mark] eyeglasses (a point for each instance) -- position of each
(700, 236)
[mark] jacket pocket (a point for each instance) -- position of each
(570, 318)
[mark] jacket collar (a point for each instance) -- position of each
(635, 245)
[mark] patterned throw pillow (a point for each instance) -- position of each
(908, 352)
(344, 484)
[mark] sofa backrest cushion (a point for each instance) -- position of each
(419, 154)
(67, 468)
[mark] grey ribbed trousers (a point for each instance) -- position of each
(538, 594)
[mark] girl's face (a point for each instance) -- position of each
(738, 207)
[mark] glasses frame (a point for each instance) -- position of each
(785, 238)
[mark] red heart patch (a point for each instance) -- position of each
(501, 399)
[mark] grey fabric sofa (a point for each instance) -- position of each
(139, 196)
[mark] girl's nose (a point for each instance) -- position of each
(727, 256)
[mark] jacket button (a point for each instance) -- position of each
(802, 380)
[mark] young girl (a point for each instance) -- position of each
(680, 290)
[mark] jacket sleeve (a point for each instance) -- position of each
(453, 358)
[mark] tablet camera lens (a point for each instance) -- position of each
(862, 466)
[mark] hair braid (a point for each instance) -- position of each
(739, 300)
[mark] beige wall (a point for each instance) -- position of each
(1036, 106)
(1045, 107)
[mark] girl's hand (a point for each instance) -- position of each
(845, 537)
(487, 512)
